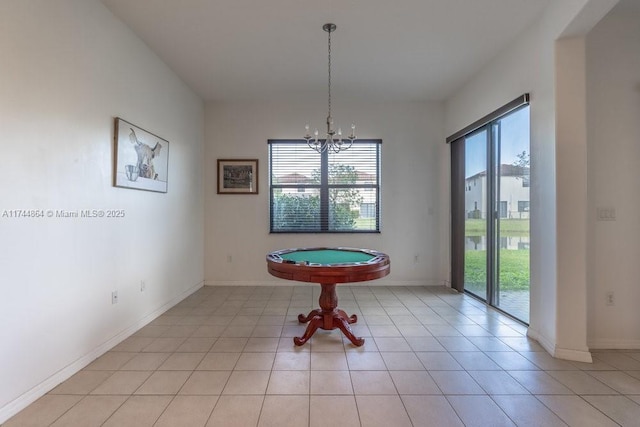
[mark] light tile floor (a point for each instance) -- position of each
(516, 303)
(225, 357)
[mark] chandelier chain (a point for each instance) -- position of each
(329, 73)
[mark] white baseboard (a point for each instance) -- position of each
(380, 282)
(614, 344)
(559, 352)
(546, 343)
(573, 355)
(251, 283)
(27, 398)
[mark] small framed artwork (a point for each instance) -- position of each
(141, 158)
(237, 176)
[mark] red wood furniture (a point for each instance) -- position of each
(328, 267)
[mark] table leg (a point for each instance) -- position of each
(313, 325)
(304, 319)
(343, 324)
(351, 319)
(328, 317)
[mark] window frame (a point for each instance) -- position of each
(325, 188)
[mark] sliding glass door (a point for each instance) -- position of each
(490, 207)
(511, 290)
(476, 209)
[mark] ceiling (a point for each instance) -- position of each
(631, 6)
(382, 50)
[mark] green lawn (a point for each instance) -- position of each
(365, 223)
(514, 269)
(508, 227)
(514, 264)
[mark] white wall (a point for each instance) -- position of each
(415, 188)
(69, 67)
(613, 111)
(528, 66)
(571, 196)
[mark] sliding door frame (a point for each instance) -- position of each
(457, 141)
(457, 220)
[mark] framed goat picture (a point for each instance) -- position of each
(237, 176)
(141, 158)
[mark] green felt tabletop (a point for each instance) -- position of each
(327, 256)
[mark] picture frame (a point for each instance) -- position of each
(237, 176)
(141, 160)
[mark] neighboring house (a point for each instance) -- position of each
(369, 196)
(514, 193)
(367, 207)
(297, 178)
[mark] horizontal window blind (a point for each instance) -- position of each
(324, 192)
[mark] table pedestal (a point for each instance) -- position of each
(328, 317)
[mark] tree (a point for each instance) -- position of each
(342, 216)
(293, 212)
(524, 160)
(302, 211)
(522, 163)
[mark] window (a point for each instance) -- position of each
(523, 206)
(503, 209)
(324, 193)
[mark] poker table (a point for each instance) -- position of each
(328, 267)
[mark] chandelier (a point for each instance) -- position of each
(333, 141)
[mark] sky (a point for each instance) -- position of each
(514, 140)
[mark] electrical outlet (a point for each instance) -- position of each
(143, 285)
(114, 297)
(606, 214)
(610, 298)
